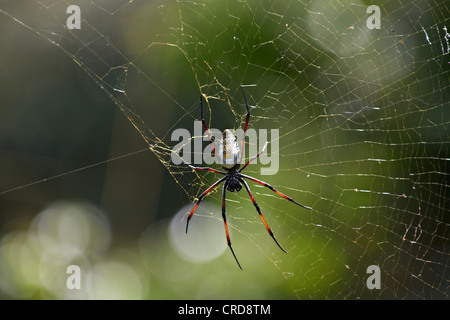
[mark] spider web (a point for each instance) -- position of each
(361, 115)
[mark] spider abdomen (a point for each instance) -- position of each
(229, 152)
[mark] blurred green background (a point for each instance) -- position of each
(86, 178)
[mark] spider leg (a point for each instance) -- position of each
(246, 124)
(248, 162)
(205, 127)
(260, 214)
(225, 223)
(265, 184)
(206, 168)
(200, 199)
(248, 111)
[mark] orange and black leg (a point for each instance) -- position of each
(207, 168)
(265, 184)
(200, 199)
(260, 214)
(246, 125)
(206, 127)
(225, 223)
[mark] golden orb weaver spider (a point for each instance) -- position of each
(233, 178)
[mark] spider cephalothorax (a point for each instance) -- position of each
(233, 181)
(230, 158)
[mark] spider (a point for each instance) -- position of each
(233, 177)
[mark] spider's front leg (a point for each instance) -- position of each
(200, 199)
(260, 214)
(265, 184)
(224, 217)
